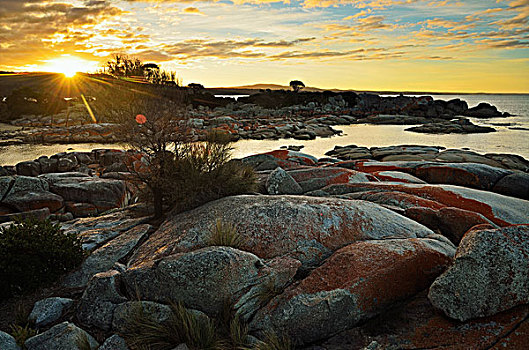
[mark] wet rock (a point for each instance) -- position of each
(305, 228)
(489, 274)
(64, 336)
(356, 283)
(280, 182)
(100, 299)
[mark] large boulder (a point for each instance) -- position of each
(25, 193)
(280, 182)
(104, 194)
(64, 336)
(356, 283)
(308, 229)
(499, 209)
(100, 299)
(96, 231)
(489, 274)
(205, 279)
(281, 158)
(311, 179)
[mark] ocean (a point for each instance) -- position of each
(512, 135)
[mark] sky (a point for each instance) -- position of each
(379, 45)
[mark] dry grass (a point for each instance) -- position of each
(226, 234)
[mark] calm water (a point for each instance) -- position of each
(506, 140)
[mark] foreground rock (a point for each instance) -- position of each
(64, 336)
(191, 277)
(415, 324)
(354, 284)
(7, 342)
(305, 228)
(489, 274)
(49, 310)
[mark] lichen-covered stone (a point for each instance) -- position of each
(357, 282)
(305, 228)
(64, 336)
(49, 310)
(100, 298)
(489, 274)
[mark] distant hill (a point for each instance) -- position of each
(269, 86)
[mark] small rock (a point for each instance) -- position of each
(7, 342)
(280, 182)
(124, 312)
(49, 310)
(114, 342)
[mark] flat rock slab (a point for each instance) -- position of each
(49, 310)
(103, 258)
(305, 228)
(500, 209)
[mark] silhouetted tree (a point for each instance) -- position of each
(124, 66)
(296, 85)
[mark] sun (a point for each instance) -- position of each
(68, 65)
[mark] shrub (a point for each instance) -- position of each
(34, 253)
(225, 234)
(203, 172)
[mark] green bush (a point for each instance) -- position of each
(34, 253)
(202, 172)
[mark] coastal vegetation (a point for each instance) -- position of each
(179, 173)
(35, 253)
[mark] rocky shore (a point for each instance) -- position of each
(399, 247)
(272, 115)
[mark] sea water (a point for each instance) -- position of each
(512, 135)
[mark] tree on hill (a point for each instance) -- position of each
(296, 85)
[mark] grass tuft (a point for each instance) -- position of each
(21, 334)
(274, 342)
(226, 234)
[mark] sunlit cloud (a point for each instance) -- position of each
(266, 36)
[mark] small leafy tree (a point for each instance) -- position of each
(296, 85)
(124, 66)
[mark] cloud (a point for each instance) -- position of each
(194, 11)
